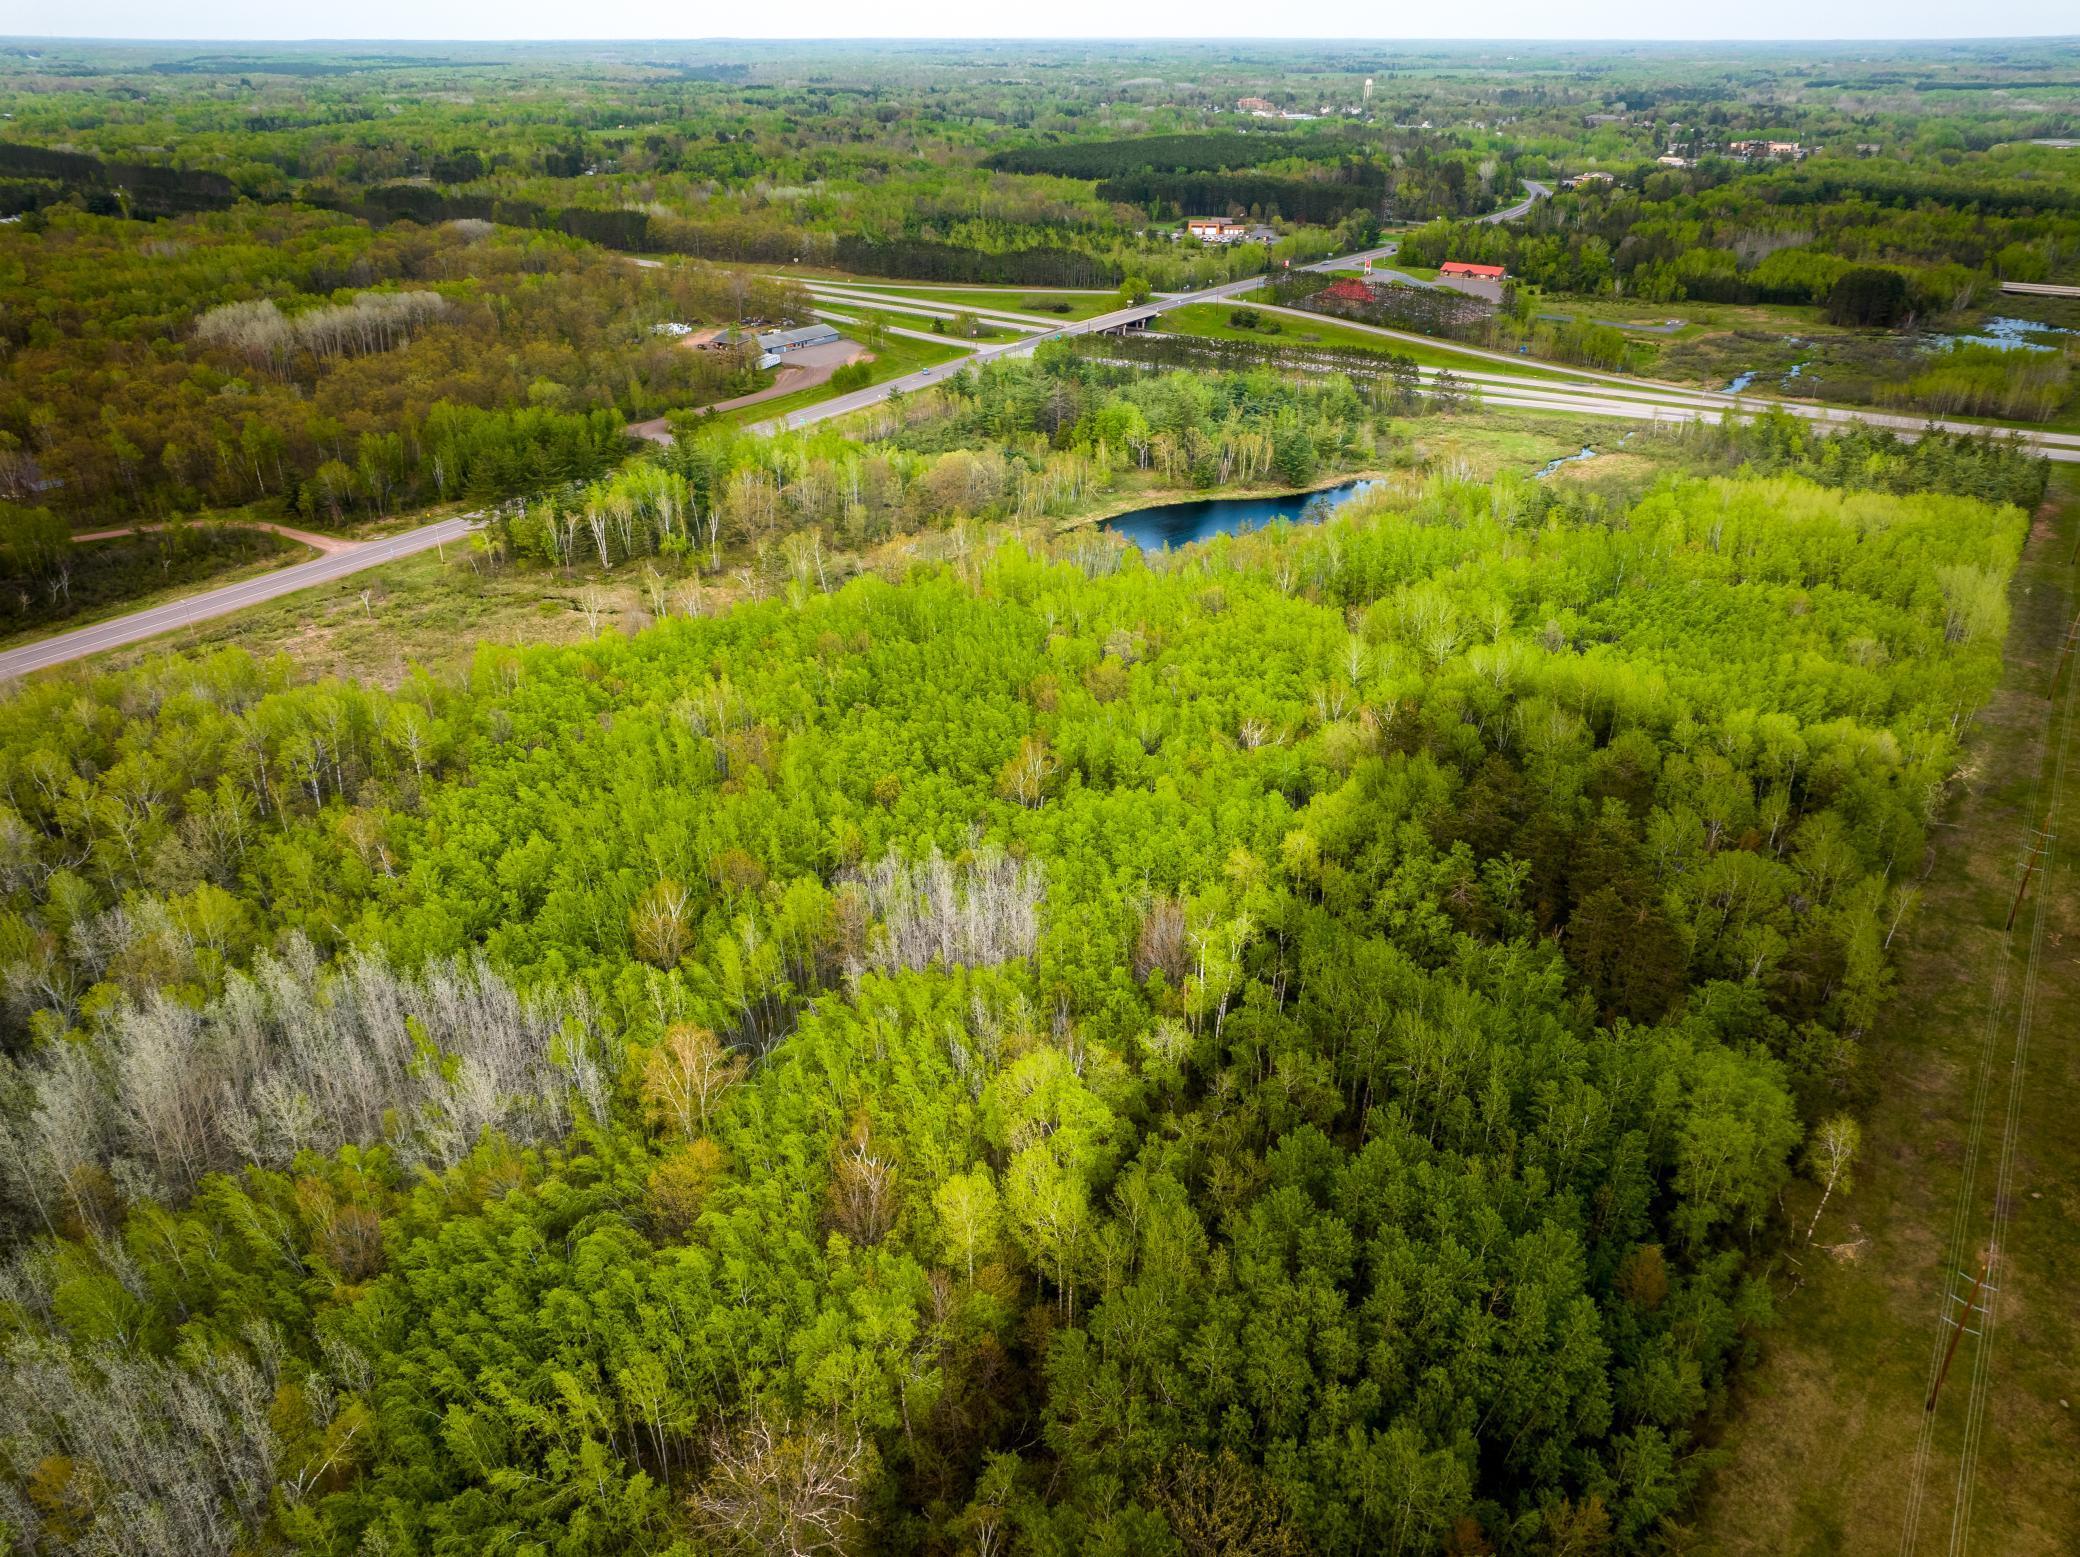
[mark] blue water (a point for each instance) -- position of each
(1550, 466)
(1180, 524)
(2007, 334)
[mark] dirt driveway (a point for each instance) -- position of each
(325, 543)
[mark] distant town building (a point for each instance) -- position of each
(1673, 161)
(1593, 120)
(1588, 180)
(1758, 150)
(1472, 271)
(1216, 229)
(1255, 105)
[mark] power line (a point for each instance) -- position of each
(2004, 1177)
(1952, 1327)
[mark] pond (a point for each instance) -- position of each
(1180, 524)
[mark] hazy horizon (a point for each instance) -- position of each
(1345, 21)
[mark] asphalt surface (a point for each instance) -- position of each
(848, 322)
(212, 603)
(1004, 318)
(1595, 393)
(1138, 313)
(1113, 319)
(1535, 192)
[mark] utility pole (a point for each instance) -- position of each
(2039, 846)
(1957, 1333)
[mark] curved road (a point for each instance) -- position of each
(1535, 192)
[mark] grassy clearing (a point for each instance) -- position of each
(1040, 303)
(421, 610)
(1489, 441)
(1819, 1452)
(893, 311)
(986, 333)
(1210, 320)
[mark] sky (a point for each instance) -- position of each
(620, 19)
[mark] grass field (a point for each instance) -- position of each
(1211, 320)
(895, 311)
(1824, 1449)
(986, 335)
(1495, 439)
(425, 609)
(1074, 305)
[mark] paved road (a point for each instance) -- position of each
(1596, 393)
(1482, 353)
(1654, 406)
(232, 597)
(1536, 193)
(848, 322)
(219, 602)
(846, 297)
(802, 369)
(924, 378)
(1612, 392)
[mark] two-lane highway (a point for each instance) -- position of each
(1534, 192)
(231, 597)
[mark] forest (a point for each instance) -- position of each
(328, 368)
(1722, 233)
(1208, 153)
(953, 1034)
(1286, 1047)
(1022, 441)
(1032, 442)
